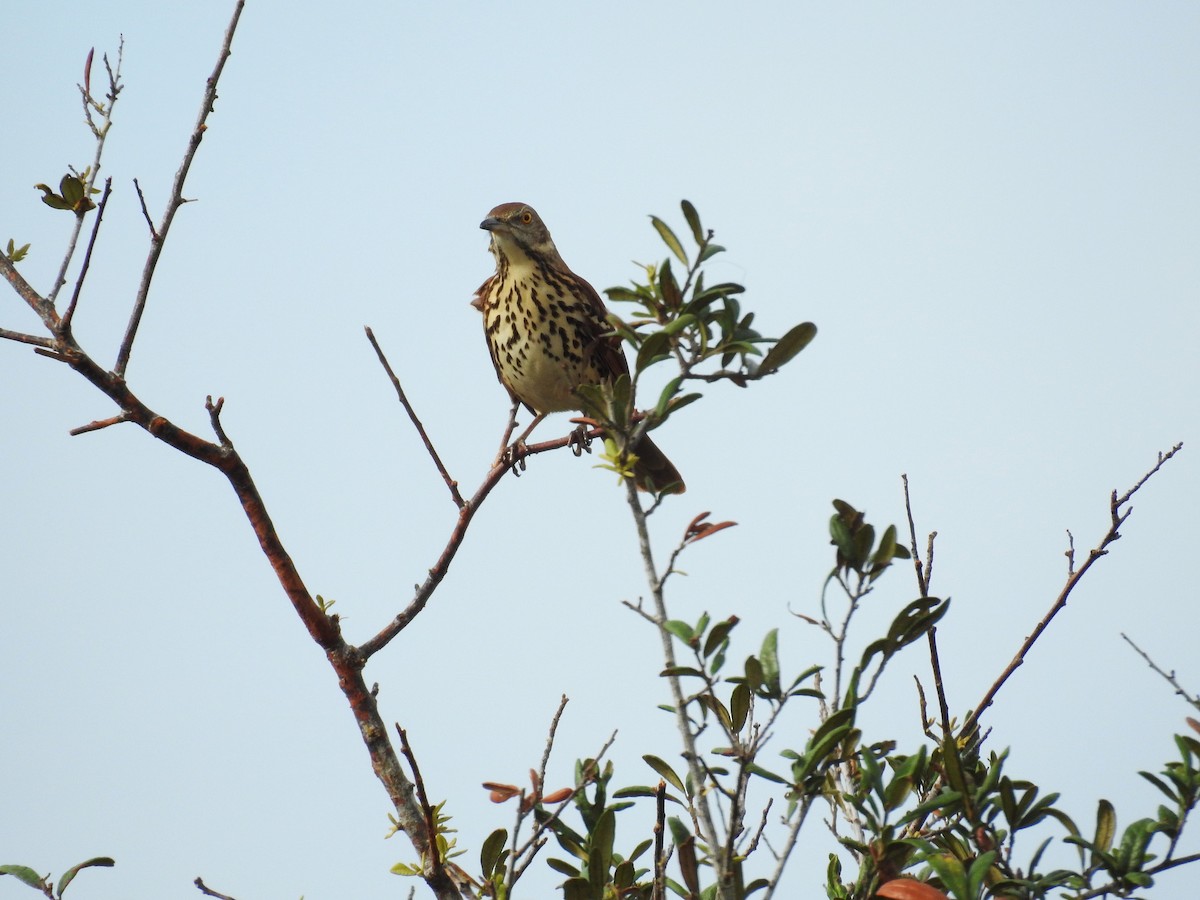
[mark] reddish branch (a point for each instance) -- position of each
(346, 660)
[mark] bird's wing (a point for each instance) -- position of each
(606, 347)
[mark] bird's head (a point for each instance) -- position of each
(516, 228)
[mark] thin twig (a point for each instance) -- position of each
(209, 892)
(412, 414)
(562, 704)
(465, 514)
(158, 239)
(1117, 515)
(214, 418)
(1168, 676)
(529, 850)
(435, 855)
(701, 809)
(22, 338)
(87, 256)
(101, 133)
(98, 424)
(658, 891)
(145, 212)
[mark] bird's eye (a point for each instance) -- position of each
(526, 217)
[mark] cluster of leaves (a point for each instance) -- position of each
(72, 194)
(697, 326)
(447, 845)
(950, 819)
(937, 821)
(42, 883)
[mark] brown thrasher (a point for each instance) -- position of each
(547, 332)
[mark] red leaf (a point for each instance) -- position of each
(909, 889)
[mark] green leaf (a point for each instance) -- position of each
(664, 399)
(562, 867)
(655, 348)
(69, 875)
(978, 871)
(787, 347)
(23, 874)
(754, 673)
(686, 320)
(739, 706)
(768, 656)
(71, 189)
(709, 251)
(16, 254)
(681, 630)
(681, 671)
(693, 220)
(666, 772)
(718, 636)
(668, 287)
(756, 769)
(600, 857)
(490, 852)
(1106, 827)
(669, 238)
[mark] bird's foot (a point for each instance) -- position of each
(578, 440)
(514, 457)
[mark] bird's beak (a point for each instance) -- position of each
(491, 223)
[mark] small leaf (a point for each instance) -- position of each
(563, 867)
(768, 657)
(787, 347)
(69, 875)
(693, 220)
(669, 238)
(909, 889)
(655, 348)
(681, 630)
(1106, 826)
(490, 853)
(666, 772)
(23, 874)
(739, 706)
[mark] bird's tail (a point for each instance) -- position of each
(654, 472)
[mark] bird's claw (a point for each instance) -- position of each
(514, 457)
(578, 440)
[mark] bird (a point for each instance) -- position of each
(547, 331)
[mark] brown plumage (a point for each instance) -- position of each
(546, 329)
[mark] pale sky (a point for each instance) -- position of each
(990, 212)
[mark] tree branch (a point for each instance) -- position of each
(158, 238)
(1118, 514)
(465, 514)
(437, 460)
(87, 257)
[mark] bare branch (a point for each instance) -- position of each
(145, 212)
(1118, 514)
(22, 338)
(39, 304)
(437, 460)
(435, 856)
(158, 239)
(465, 514)
(209, 892)
(87, 257)
(101, 133)
(1169, 677)
(98, 424)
